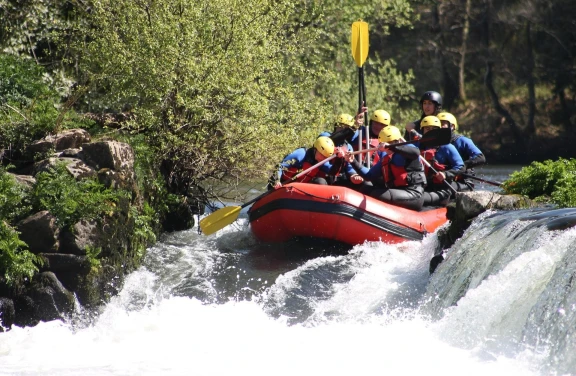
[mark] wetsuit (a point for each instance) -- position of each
(444, 159)
(297, 161)
(398, 177)
(471, 155)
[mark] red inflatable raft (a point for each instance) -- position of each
(337, 213)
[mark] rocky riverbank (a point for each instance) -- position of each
(83, 264)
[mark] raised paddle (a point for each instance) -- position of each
(435, 137)
(223, 217)
(482, 180)
(359, 44)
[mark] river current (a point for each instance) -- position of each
(502, 303)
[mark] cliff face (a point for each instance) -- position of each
(84, 264)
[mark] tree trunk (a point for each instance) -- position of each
(565, 110)
(449, 85)
(531, 129)
(463, 50)
(516, 132)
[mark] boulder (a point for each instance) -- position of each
(7, 313)
(70, 138)
(51, 299)
(40, 232)
(84, 234)
(62, 262)
(76, 167)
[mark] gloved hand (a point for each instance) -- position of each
(341, 151)
(356, 179)
(439, 177)
(359, 119)
(383, 146)
(429, 154)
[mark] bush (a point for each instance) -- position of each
(70, 200)
(16, 262)
(13, 205)
(548, 181)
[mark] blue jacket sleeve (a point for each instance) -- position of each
(371, 174)
(294, 159)
(449, 156)
(470, 153)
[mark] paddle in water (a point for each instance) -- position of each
(225, 216)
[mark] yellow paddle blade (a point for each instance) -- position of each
(219, 219)
(360, 42)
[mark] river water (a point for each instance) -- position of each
(502, 303)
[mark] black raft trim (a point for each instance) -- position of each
(339, 209)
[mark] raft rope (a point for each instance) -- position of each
(337, 198)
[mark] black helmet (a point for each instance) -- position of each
(432, 96)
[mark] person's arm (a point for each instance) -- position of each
(478, 160)
(470, 152)
(368, 174)
(407, 151)
(454, 160)
(294, 159)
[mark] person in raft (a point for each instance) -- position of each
(378, 121)
(342, 173)
(446, 161)
(398, 177)
(470, 153)
(302, 158)
(430, 105)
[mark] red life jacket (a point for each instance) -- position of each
(430, 156)
(373, 144)
(396, 176)
(290, 172)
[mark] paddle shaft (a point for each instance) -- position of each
(434, 170)
(482, 180)
(290, 180)
(374, 149)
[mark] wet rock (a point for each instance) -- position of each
(61, 262)
(7, 313)
(40, 232)
(51, 299)
(83, 235)
(25, 310)
(468, 205)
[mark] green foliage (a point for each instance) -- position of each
(224, 90)
(386, 86)
(22, 82)
(29, 105)
(548, 181)
(143, 235)
(69, 200)
(16, 262)
(92, 253)
(207, 81)
(13, 203)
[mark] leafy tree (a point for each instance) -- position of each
(217, 88)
